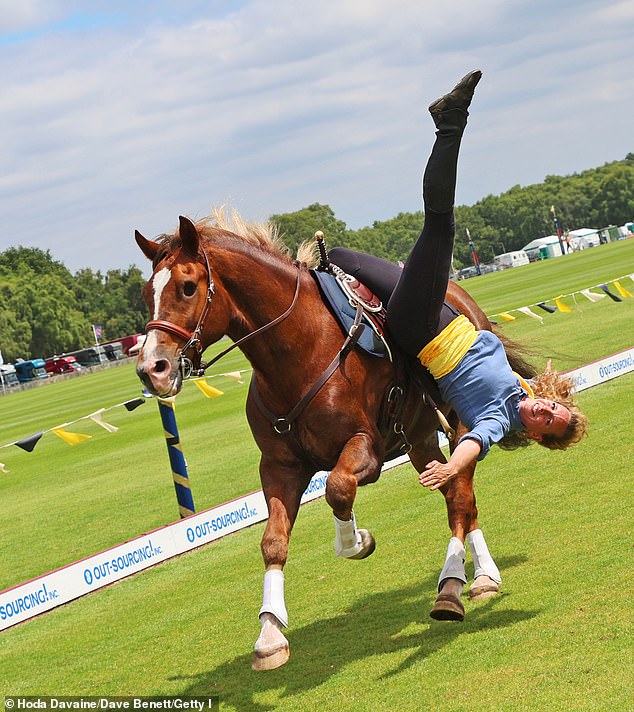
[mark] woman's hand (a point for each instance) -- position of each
(436, 474)
(462, 460)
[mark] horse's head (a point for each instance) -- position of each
(182, 299)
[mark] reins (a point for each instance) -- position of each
(257, 332)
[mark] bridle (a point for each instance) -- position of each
(192, 339)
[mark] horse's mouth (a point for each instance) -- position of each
(169, 389)
(176, 386)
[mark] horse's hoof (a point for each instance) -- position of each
(480, 591)
(368, 545)
(447, 608)
(270, 658)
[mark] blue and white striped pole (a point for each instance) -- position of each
(177, 459)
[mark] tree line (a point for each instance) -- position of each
(595, 198)
(46, 310)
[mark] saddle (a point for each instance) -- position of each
(343, 294)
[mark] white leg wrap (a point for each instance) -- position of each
(347, 538)
(454, 563)
(482, 560)
(273, 596)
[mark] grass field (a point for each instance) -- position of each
(558, 524)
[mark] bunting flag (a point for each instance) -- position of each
(97, 417)
(70, 438)
(209, 391)
(29, 443)
(592, 296)
(529, 312)
(561, 305)
(234, 375)
(546, 307)
(621, 290)
(73, 438)
(605, 288)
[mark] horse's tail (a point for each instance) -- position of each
(517, 355)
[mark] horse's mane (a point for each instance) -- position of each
(263, 236)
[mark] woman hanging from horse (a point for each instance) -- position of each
(470, 367)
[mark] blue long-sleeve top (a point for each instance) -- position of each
(484, 392)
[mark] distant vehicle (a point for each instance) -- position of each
(113, 350)
(62, 364)
(125, 342)
(32, 370)
(467, 272)
(8, 376)
(92, 356)
(511, 259)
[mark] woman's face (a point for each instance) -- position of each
(544, 417)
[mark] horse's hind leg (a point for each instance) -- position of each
(486, 576)
(283, 487)
(358, 463)
(462, 513)
(460, 501)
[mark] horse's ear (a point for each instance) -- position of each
(148, 248)
(189, 236)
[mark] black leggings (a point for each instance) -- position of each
(415, 295)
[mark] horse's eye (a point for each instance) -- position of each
(189, 289)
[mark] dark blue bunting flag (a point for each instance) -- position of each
(547, 307)
(604, 287)
(29, 443)
(134, 403)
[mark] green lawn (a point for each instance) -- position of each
(559, 637)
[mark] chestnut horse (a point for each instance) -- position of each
(209, 282)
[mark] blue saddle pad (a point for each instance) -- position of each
(344, 312)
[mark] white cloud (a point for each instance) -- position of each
(148, 110)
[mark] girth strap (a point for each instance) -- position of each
(284, 424)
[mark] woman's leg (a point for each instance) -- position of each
(414, 309)
(379, 275)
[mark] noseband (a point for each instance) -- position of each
(192, 339)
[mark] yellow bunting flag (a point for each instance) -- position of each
(621, 290)
(506, 316)
(561, 306)
(71, 438)
(97, 417)
(208, 390)
(529, 312)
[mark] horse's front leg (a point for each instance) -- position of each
(357, 463)
(283, 486)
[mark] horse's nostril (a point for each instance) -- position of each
(161, 366)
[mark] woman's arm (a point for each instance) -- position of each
(436, 473)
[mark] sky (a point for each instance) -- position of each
(119, 115)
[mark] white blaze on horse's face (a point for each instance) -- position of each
(159, 282)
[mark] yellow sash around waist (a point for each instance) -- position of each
(445, 351)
